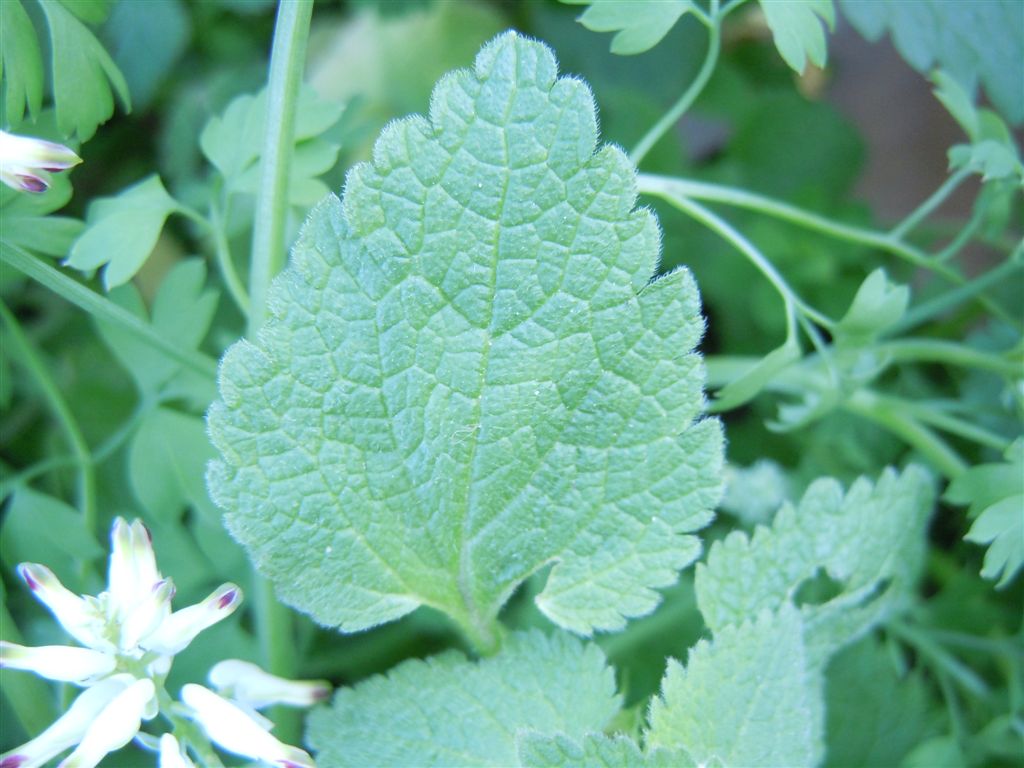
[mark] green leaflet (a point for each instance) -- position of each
(469, 376)
(871, 540)
(751, 697)
(972, 41)
(798, 31)
(995, 493)
(448, 711)
(639, 25)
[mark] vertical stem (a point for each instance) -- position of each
(690, 95)
(926, 208)
(287, 60)
(86, 490)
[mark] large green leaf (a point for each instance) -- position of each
(448, 711)
(469, 376)
(973, 41)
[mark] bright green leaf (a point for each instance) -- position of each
(798, 31)
(995, 493)
(971, 40)
(870, 540)
(639, 24)
(742, 389)
(750, 697)
(449, 711)
(145, 40)
(83, 74)
(597, 751)
(89, 11)
(878, 305)
(21, 65)
(469, 376)
(122, 231)
(167, 462)
(183, 310)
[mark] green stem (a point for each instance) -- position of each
(86, 486)
(102, 308)
(670, 188)
(690, 95)
(869, 405)
(226, 265)
(743, 245)
(948, 353)
(945, 422)
(287, 60)
(925, 209)
(926, 311)
(922, 642)
(964, 235)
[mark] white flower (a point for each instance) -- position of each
(232, 728)
(130, 635)
(25, 161)
(171, 755)
(250, 686)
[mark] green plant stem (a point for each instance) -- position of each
(102, 308)
(677, 110)
(964, 235)
(945, 422)
(287, 60)
(925, 209)
(718, 225)
(948, 353)
(922, 642)
(86, 486)
(669, 188)
(871, 406)
(945, 302)
(226, 265)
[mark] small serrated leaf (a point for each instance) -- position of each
(469, 376)
(454, 712)
(639, 24)
(752, 696)
(596, 751)
(871, 540)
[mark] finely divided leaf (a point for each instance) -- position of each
(798, 30)
(639, 24)
(970, 40)
(469, 376)
(995, 493)
(871, 541)
(751, 697)
(21, 66)
(449, 711)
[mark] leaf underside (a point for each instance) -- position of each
(469, 376)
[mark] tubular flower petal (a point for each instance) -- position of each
(231, 728)
(114, 727)
(133, 572)
(24, 161)
(171, 754)
(69, 729)
(148, 614)
(179, 629)
(58, 662)
(76, 615)
(246, 683)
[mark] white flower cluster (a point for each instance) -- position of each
(26, 162)
(131, 636)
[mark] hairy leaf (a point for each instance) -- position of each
(639, 24)
(750, 697)
(972, 41)
(449, 711)
(995, 493)
(871, 540)
(469, 376)
(597, 751)
(798, 31)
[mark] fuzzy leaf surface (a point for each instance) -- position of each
(449, 711)
(595, 750)
(972, 41)
(750, 697)
(469, 376)
(870, 540)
